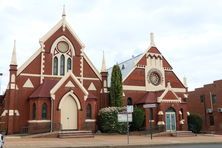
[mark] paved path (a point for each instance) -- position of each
(107, 141)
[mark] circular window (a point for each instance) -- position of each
(154, 78)
(63, 46)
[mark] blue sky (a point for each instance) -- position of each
(187, 32)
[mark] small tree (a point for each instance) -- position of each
(195, 123)
(138, 118)
(116, 88)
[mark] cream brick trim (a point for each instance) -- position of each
(168, 88)
(28, 84)
(58, 85)
(11, 112)
(38, 121)
(54, 76)
(61, 23)
(92, 86)
(90, 120)
(131, 87)
(92, 66)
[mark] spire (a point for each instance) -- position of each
(64, 12)
(103, 69)
(14, 59)
(185, 81)
(152, 39)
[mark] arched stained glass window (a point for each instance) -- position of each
(34, 111)
(62, 65)
(69, 64)
(55, 66)
(89, 111)
(44, 111)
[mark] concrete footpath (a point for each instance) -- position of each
(108, 141)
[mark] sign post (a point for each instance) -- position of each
(150, 106)
(126, 117)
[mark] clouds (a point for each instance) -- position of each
(188, 33)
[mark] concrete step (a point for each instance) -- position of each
(75, 134)
(183, 134)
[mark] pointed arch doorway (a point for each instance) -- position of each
(170, 119)
(69, 106)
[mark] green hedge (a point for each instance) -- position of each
(108, 122)
(195, 123)
(138, 119)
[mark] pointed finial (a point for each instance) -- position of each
(64, 11)
(103, 69)
(185, 81)
(152, 39)
(14, 59)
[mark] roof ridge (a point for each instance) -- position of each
(127, 60)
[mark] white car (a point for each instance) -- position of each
(1, 140)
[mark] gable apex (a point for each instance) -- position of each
(64, 24)
(62, 81)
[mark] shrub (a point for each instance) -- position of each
(195, 123)
(108, 120)
(138, 118)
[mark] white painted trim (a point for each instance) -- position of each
(182, 90)
(61, 23)
(168, 88)
(131, 87)
(54, 76)
(38, 121)
(136, 63)
(4, 113)
(69, 84)
(65, 39)
(28, 84)
(70, 93)
(68, 74)
(92, 66)
(90, 120)
(20, 69)
(91, 86)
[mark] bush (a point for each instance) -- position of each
(108, 120)
(138, 118)
(195, 123)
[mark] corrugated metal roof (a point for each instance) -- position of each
(125, 67)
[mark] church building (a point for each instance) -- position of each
(150, 83)
(58, 87)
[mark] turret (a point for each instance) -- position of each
(104, 90)
(11, 100)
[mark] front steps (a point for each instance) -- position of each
(183, 134)
(175, 134)
(75, 134)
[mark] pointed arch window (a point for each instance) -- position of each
(69, 64)
(33, 111)
(44, 111)
(62, 65)
(89, 111)
(55, 66)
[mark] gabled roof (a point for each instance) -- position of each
(43, 91)
(62, 81)
(62, 23)
(126, 67)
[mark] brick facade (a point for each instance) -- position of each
(206, 102)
